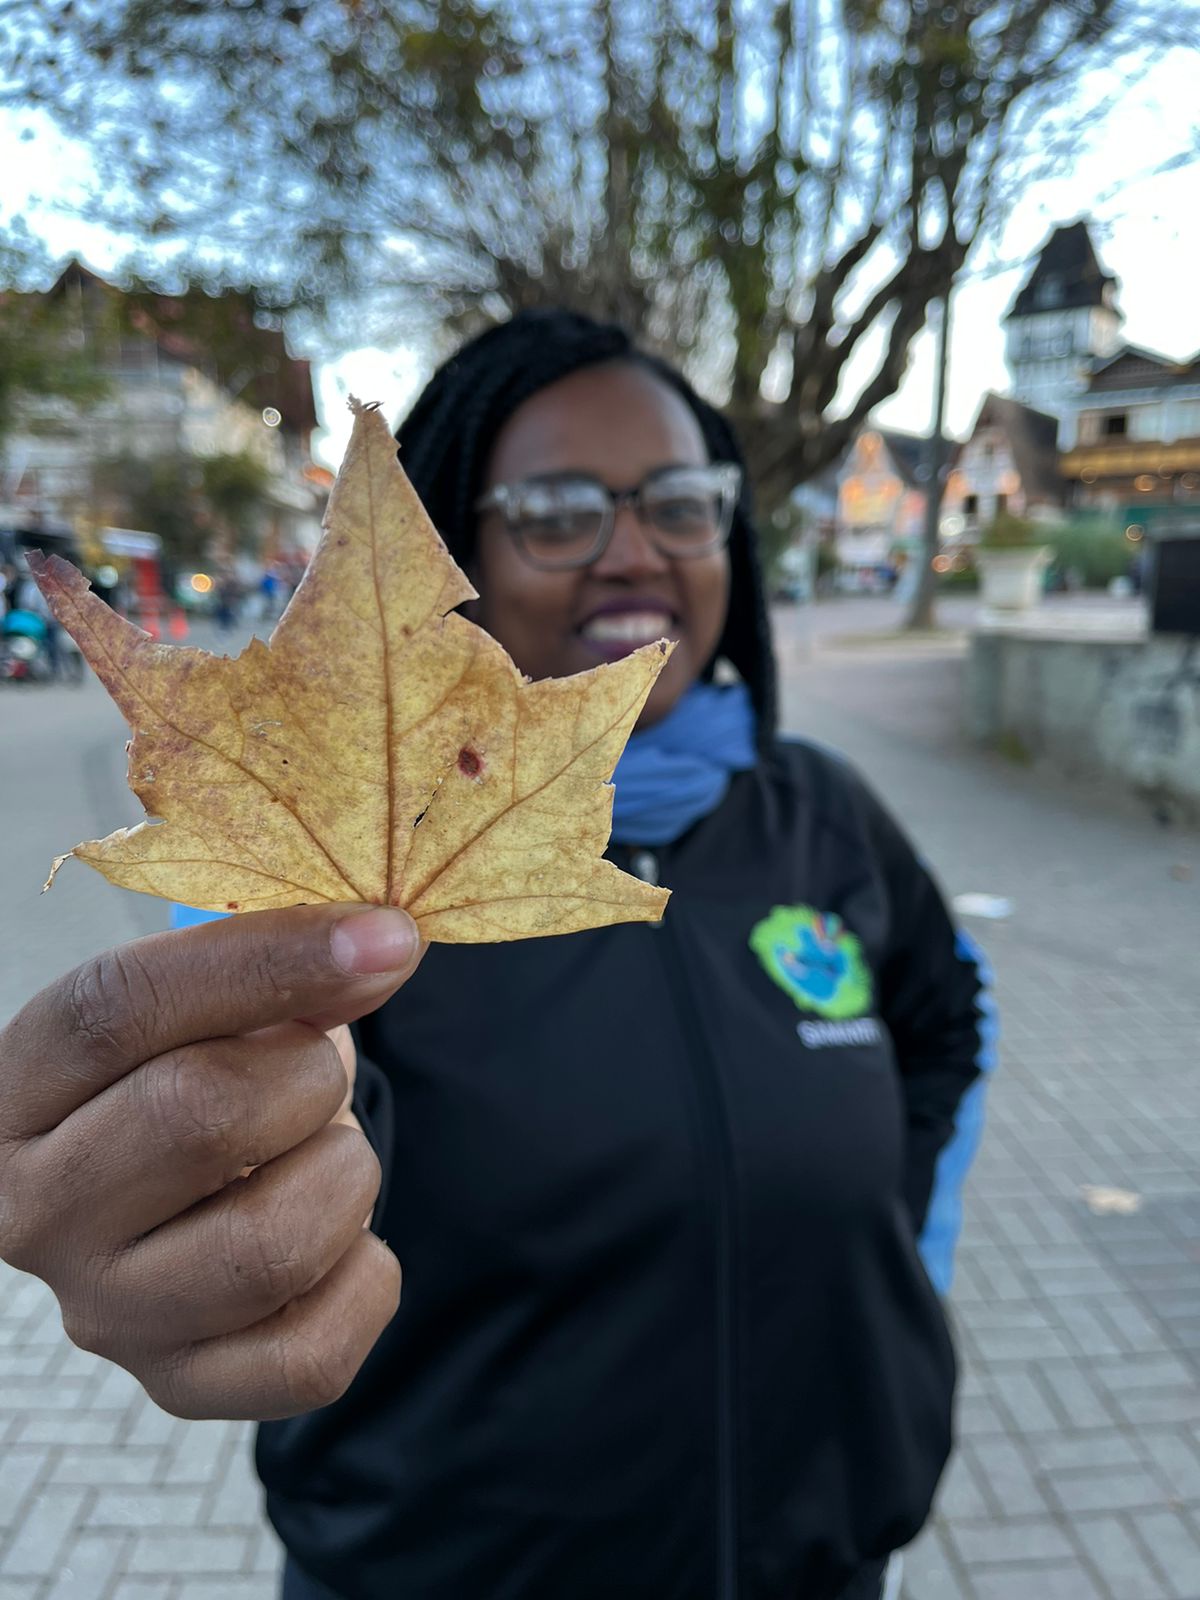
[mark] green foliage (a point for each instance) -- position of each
(43, 363)
(776, 536)
(157, 494)
(234, 486)
(1092, 548)
(1006, 532)
(827, 559)
(185, 500)
(1089, 549)
(1009, 744)
(959, 579)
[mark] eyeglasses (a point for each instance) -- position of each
(566, 519)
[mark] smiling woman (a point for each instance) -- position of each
(658, 1191)
(553, 414)
(575, 444)
(661, 1191)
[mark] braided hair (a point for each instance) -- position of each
(447, 437)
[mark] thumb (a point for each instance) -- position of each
(379, 949)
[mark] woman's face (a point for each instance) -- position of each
(617, 423)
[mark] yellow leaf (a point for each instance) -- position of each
(380, 748)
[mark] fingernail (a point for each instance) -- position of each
(380, 940)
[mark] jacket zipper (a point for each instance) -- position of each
(645, 866)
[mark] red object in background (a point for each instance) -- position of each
(177, 627)
(151, 601)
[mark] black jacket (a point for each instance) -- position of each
(665, 1334)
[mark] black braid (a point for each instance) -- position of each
(447, 437)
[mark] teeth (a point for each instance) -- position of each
(630, 627)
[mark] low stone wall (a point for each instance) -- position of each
(1118, 705)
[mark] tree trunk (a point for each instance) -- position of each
(923, 613)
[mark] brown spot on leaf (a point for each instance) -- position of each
(231, 905)
(470, 762)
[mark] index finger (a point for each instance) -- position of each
(326, 964)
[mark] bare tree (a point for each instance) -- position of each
(772, 190)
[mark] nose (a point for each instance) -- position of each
(630, 553)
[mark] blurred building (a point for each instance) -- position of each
(881, 496)
(1062, 324)
(189, 378)
(1129, 418)
(1008, 464)
(1138, 442)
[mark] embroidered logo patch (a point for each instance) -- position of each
(814, 958)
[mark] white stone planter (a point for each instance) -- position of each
(1011, 580)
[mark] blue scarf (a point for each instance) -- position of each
(678, 770)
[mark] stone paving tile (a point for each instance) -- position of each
(89, 1568)
(1077, 1398)
(1065, 1452)
(1172, 1540)
(191, 1551)
(1007, 1477)
(19, 1588)
(1176, 1457)
(43, 1532)
(145, 1508)
(931, 1567)
(22, 1468)
(960, 1494)
(106, 1467)
(1033, 1539)
(1063, 1581)
(221, 1589)
(1104, 1489)
(1110, 1545)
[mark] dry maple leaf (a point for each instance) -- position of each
(380, 748)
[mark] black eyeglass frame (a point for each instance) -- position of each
(728, 477)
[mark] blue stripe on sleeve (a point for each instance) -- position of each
(943, 1220)
(189, 917)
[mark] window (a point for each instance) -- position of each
(1001, 504)
(971, 505)
(1145, 422)
(1114, 426)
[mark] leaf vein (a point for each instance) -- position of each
(166, 721)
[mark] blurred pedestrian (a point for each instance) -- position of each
(228, 598)
(8, 586)
(29, 598)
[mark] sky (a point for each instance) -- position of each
(1145, 224)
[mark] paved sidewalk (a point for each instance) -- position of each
(102, 1495)
(1078, 1471)
(1078, 1475)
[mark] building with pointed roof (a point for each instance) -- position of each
(189, 377)
(881, 496)
(1008, 464)
(1128, 418)
(1064, 320)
